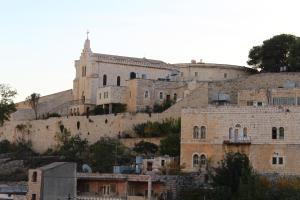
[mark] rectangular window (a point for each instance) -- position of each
(274, 160)
(259, 103)
(100, 96)
(280, 160)
(285, 101)
(33, 197)
(162, 163)
(196, 73)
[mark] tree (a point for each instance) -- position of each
(7, 105)
(33, 101)
(145, 148)
(294, 56)
(106, 153)
(274, 54)
(170, 145)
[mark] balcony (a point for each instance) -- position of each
(99, 198)
(238, 141)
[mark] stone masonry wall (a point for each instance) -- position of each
(42, 133)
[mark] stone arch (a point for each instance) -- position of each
(196, 160)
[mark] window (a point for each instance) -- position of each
(284, 101)
(274, 133)
(203, 132)
(146, 94)
(203, 159)
(196, 73)
(33, 197)
(83, 72)
(281, 133)
(196, 132)
(181, 74)
(99, 95)
(274, 160)
(132, 75)
(162, 163)
(225, 75)
(175, 97)
(118, 81)
(144, 76)
(280, 160)
(245, 132)
(259, 103)
(195, 160)
(104, 80)
(34, 177)
(161, 95)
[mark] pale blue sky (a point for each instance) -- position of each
(40, 39)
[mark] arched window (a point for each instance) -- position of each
(203, 159)
(132, 75)
(274, 133)
(195, 160)
(203, 132)
(118, 81)
(104, 80)
(230, 133)
(245, 134)
(196, 132)
(281, 133)
(146, 94)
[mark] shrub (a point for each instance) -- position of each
(5, 146)
(145, 148)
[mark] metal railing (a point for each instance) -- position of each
(243, 140)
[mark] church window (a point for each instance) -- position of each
(281, 133)
(104, 80)
(132, 75)
(245, 132)
(196, 132)
(203, 132)
(83, 73)
(274, 133)
(146, 94)
(118, 81)
(195, 160)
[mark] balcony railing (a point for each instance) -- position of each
(238, 141)
(99, 198)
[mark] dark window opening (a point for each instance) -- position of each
(132, 75)
(118, 81)
(78, 125)
(33, 197)
(104, 80)
(274, 160)
(34, 177)
(281, 133)
(274, 133)
(280, 160)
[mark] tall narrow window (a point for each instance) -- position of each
(274, 133)
(161, 95)
(175, 97)
(203, 132)
(104, 80)
(195, 160)
(146, 94)
(196, 132)
(118, 81)
(34, 177)
(245, 134)
(230, 133)
(281, 133)
(203, 159)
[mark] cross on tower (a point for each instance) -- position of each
(87, 34)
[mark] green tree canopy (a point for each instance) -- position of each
(7, 105)
(145, 148)
(279, 53)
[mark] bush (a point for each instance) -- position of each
(98, 110)
(158, 129)
(119, 108)
(5, 147)
(49, 115)
(158, 108)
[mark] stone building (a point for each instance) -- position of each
(268, 135)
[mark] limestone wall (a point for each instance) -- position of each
(261, 147)
(43, 133)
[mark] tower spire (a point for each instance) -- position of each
(87, 47)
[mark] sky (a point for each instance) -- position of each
(40, 39)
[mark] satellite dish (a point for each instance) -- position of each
(86, 168)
